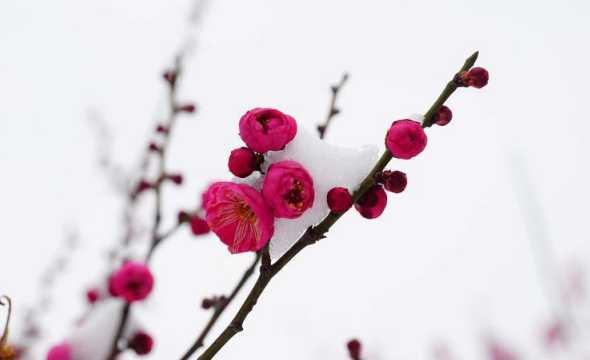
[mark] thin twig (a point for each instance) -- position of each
(221, 308)
(156, 238)
(333, 110)
(313, 234)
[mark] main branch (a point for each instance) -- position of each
(315, 233)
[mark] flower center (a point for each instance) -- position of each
(134, 286)
(244, 212)
(294, 196)
(264, 120)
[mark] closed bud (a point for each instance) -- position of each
(443, 116)
(339, 200)
(242, 162)
(394, 181)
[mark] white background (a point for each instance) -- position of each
(449, 260)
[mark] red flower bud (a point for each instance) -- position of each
(339, 200)
(354, 349)
(141, 342)
(405, 139)
(199, 226)
(92, 295)
(142, 186)
(372, 203)
(183, 217)
(154, 148)
(208, 303)
(443, 116)
(394, 181)
(162, 129)
(242, 162)
(477, 77)
(170, 77)
(187, 108)
(176, 178)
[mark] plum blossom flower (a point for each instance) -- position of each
(405, 139)
(288, 189)
(132, 282)
(61, 351)
(264, 129)
(238, 215)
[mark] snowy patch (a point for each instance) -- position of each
(329, 166)
(93, 339)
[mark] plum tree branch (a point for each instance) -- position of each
(333, 110)
(318, 232)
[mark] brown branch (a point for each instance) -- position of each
(313, 234)
(333, 110)
(156, 238)
(220, 308)
(264, 254)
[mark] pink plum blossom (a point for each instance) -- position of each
(264, 129)
(288, 189)
(61, 351)
(238, 215)
(132, 282)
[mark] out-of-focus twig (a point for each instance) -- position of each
(333, 110)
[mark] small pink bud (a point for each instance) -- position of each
(443, 116)
(154, 148)
(405, 139)
(372, 203)
(199, 226)
(264, 129)
(142, 186)
(354, 347)
(208, 303)
(187, 108)
(477, 77)
(176, 178)
(62, 351)
(242, 162)
(288, 189)
(162, 129)
(170, 77)
(183, 217)
(92, 295)
(394, 181)
(132, 282)
(141, 342)
(339, 200)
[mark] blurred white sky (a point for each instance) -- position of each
(449, 258)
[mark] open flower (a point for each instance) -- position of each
(132, 282)
(61, 351)
(264, 129)
(239, 216)
(288, 189)
(405, 139)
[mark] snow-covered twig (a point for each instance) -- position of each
(318, 232)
